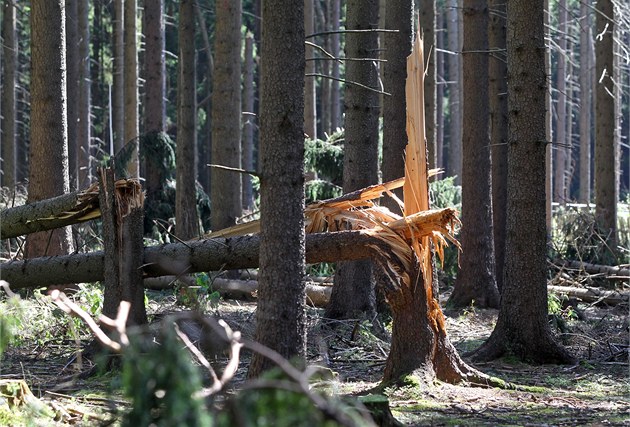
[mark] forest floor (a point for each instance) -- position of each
(595, 392)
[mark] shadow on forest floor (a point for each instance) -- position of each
(593, 393)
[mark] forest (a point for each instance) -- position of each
(317, 213)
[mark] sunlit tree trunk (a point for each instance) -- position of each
(585, 110)
(427, 24)
(9, 81)
(48, 158)
(186, 220)
(226, 115)
(281, 314)
(440, 91)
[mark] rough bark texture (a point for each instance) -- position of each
(226, 115)
(560, 144)
(522, 328)
(353, 293)
(440, 85)
(281, 316)
(131, 84)
(72, 89)
(48, 176)
(180, 258)
(476, 277)
(335, 104)
(399, 16)
(310, 110)
(427, 29)
(249, 121)
(155, 87)
(186, 219)
(118, 86)
(85, 90)
(454, 166)
(9, 64)
(122, 243)
(606, 165)
(497, 78)
(586, 103)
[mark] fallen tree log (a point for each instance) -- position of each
(592, 294)
(316, 294)
(57, 212)
(609, 270)
(184, 258)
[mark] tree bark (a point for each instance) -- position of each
(606, 165)
(497, 70)
(118, 85)
(454, 166)
(72, 89)
(48, 172)
(476, 276)
(522, 328)
(335, 107)
(225, 187)
(560, 146)
(399, 16)
(353, 293)
(9, 116)
(586, 104)
(131, 84)
(84, 121)
(282, 250)
(249, 121)
(186, 218)
(427, 24)
(310, 110)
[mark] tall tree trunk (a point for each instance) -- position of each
(48, 158)
(397, 48)
(586, 104)
(118, 85)
(498, 130)
(249, 121)
(101, 122)
(226, 115)
(155, 89)
(84, 116)
(281, 293)
(353, 293)
(186, 220)
(454, 98)
(9, 82)
(131, 83)
(440, 85)
(560, 146)
(310, 112)
(548, 132)
(323, 67)
(606, 166)
(522, 327)
(427, 24)
(476, 277)
(205, 147)
(335, 102)
(72, 89)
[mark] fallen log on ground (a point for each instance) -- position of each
(316, 294)
(592, 294)
(184, 258)
(609, 270)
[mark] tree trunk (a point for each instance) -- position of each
(606, 165)
(441, 83)
(522, 328)
(586, 103)
(48, 159)
(123, 251)
(353, 293)
(226, 115)
(560, 146)
(131, 84)
(498, 130)
(548, 133)
(310, 111)
(118, 85)
(399, 16)
(72, 89)
(454, 166)
(427, 24)
(476, 276)
(9, 82)
(205, 146)
(335, 103)
(249, 122)
(155, 90)
(84, 113)
(282, 250)
(186, 219)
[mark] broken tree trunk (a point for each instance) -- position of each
(182, 258)
(609, 270)
(592, 294)
(57, 212)
(122, 212)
